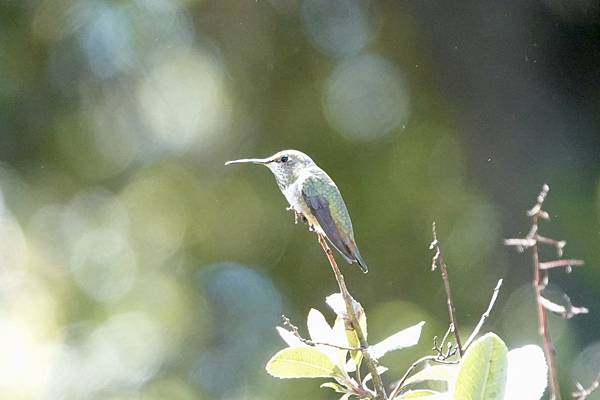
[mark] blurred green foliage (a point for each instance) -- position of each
(135, 265)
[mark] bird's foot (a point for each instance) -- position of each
(296, 214)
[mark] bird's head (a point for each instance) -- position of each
(286, 165)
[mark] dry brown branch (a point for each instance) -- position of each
(561, 263)
(540, 281)
(380, 393)
(583, 393)
(438, 260)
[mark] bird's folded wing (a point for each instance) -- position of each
(317, 195)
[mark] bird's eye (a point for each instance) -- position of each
(284, 159)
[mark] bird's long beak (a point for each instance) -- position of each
(249, 160)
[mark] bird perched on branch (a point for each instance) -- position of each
(314, 197)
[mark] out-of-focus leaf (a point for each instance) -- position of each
(482, 373)
(527, 376)
(303, 362)
(440, 372)
(400, 340)
(380, 370)
(288, 337)
(335, 386)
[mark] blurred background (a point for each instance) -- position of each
(134, 265)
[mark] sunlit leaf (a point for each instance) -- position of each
(335, 386)
(438, 372)
(321, 333)
(337, 304)
(527, 376)
(288, 337)
(355, 356)
(303, 362)
(318, 328)
(339, 338)
(399, 340)
(482, 373)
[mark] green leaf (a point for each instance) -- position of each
(423, 394)
(400, 340)
(435, 373)
(335, 386)
(303, 362)
(482, 373)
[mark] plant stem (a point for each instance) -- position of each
(549, 350)
(353, 319)
(439, 258)
(485, 315)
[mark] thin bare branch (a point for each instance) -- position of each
(520, 243)
(567, 263)
(439, 349)
(583, 393)
(558, 244)
(485, 315)
(540, 281)
(567, 312)
(380, 393)
(438, 259)
(442, 354)
(396, 391)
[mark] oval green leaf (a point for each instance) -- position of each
(482, 373)
(442, 372)
(303, 362)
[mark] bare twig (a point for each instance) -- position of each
(438, 259)
(380, 393)
(485, 315)
(540, 281)
(561, 263)
(583, 393)
(439, 349)
(567, 312)
(396, 391)
(538, 286)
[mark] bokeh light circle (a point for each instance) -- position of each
(366, 98)
(337, 27)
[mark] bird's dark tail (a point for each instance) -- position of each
(361, 263)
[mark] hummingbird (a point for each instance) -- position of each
(314, 197)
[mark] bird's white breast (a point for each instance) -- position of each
(293, 194)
